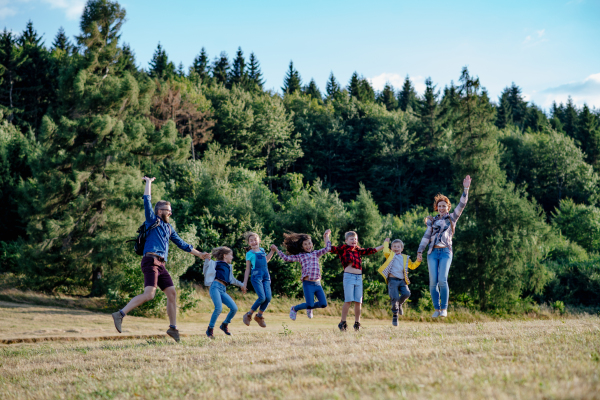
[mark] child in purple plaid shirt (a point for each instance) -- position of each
(300, 248)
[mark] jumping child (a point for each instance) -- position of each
(395, 272)
(218, 275)
(350, 256)
(299, 247)
(256, 261)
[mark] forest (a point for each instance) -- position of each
(81, 123)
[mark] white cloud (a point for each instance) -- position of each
(72, 8)
(396, 80)
(8, 8)
(7, 12)
(586, 91)
(535, 38)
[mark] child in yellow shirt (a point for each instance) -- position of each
(395, 273)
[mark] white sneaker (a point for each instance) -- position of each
(292, 314)
(444, 313)
(435, 314)
(309, 313)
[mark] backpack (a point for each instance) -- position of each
(140, 241)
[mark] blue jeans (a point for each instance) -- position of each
(312, 289)
(439, 264)
(219, 296)
(353, 288)
(261, 282)
(399, 292)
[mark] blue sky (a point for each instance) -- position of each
(551, 49)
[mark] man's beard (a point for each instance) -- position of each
(165, 217)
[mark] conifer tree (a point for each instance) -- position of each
(535, 119)
(354, 85)
(333, 87)
(504, 114)
(160, 66)
(62, 42)
(429, 113)
(83, 200)
(588, 133)
(570, 119)
(557, 115)
(254, 72)
(201, 65)
(292, 81)
(407, 97)
(360, 88)
(387, 97)
(313, 90)
(238, 73)
(11, 59)
(126, 61)
(180, 70)
(517, 104)
(221, 67)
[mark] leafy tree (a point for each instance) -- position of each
(333, 87)
(387, 97)
(313, 90)
(160, 66)
(579, 223)
(221, 68)
(292, 81)
(407, 97)
(254, 72)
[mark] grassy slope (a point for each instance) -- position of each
(499, 359)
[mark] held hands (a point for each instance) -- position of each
(467, 182)
(419, 257)
(205, 256)
(244, 289)
(274, 248)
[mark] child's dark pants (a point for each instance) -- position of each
(399, 292)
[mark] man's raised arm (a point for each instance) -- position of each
(147, 203)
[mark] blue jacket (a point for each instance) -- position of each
(157, 241)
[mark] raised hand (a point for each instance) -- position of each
(467, 182)
(148, 180)
(327, 234)
(387, 240)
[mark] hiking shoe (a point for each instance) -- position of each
(444, 313)
(293, 314)
(357, 326)
(174, 333)
(118, 318)
(210, 332)
(400, 310)
(260, 320)
(395, 320)
(343, 326)
(247, 318)
(309, 313)
(224, 328)
(435, 314)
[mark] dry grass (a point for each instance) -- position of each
(552, 359)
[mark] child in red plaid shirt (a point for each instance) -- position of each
(300, 248)
(350, 256)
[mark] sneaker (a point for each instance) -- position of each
(444, 313)
(293, 314)
(224, 328)
(357, 326)
(435, 314)
(400, 310)
(209, 332)
(343, 326)
(118, 318)
(309, 313)
(395, 320)
(174, 333)
(260, 320)
(247, 318)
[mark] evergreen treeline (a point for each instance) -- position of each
(81, 123)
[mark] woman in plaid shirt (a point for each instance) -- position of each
(438, 235)
(300, 248)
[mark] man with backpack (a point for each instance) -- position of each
(157, 232)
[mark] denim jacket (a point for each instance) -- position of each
(157, 241)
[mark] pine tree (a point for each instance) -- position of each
(292, 81)
(62, 42)
(11, 59)
(387, 97)
(535, 119)
(570, 119)
(126, 61)
(201, 65)
(86, 181)
(407, 96)
(588, 134)
(221, 67)
(429, 113)
(557, 116)
(333, 87)
(238, 74)
(504, 115)
(180, 70)
(360, 88)
(254, 72)
(160, 66)
(313, 90)
(517, 104)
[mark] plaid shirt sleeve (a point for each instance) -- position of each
(288, 258)
(458, 210)
(367, 251)
(324, 250)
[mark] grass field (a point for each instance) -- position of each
(509, 359)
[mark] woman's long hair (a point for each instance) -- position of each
(293, 242)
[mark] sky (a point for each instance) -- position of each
(549, 48)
